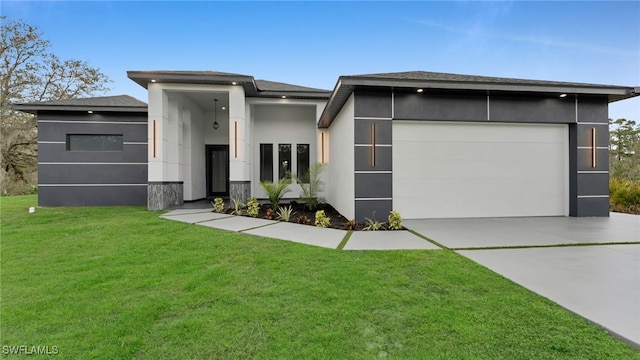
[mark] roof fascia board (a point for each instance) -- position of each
(560, 88)
(35, 108)
(143, 78)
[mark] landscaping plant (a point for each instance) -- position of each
(395, 220)
(311, 185)
(321, 219)
(253, 207)
(238, 207)
(284, 213)
(373, 225)
(218, 205)
(275, 191)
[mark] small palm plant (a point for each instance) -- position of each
(275, 191)
(311, 185)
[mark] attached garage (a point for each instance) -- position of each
(436, 145)
(462, 169)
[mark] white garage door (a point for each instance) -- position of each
(457, 170)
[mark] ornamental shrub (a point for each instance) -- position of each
(322, 220)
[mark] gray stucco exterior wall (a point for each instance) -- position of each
(91, 178)
(588, 179)
(373, 155)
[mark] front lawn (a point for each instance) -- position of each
(119, 282)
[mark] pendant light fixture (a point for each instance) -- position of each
(215, 115)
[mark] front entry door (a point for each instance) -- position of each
(217, 170)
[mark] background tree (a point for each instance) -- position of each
(30, 73)
(624, 155)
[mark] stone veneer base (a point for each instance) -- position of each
(162, 195)
(240, 190)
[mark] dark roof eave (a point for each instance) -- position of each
(295, 94)
(143, 78)
(34, 108)
(584, 89)
(346, 84)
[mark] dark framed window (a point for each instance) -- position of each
(302, 160)
(86, 142)
(266, 162)
(284, 160)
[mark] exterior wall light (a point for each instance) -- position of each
(215, 115)
(420, 90)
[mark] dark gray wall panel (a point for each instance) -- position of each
(532, 110)
(593, 184)
(602, 135)
(84, 116)
(59, 153)
(59, 131)
(593, 207)
(593, 110)
(372, 104)
(373, 209)
(362, 129)
(92, 174)
(440, 107)
(573, 170)
(585, 156)
(373, 185)
(383, 159)
(92, 196)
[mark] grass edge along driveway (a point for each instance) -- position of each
(121, 283)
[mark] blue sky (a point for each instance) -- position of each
(313, 43)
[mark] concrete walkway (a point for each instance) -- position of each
(310, 235)
(590, 266)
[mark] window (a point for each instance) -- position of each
(94, 143)
(284, 160)
(302, 160)
(266, 162)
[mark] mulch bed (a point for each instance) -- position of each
(302, 215)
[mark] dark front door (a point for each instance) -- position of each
(217, 170)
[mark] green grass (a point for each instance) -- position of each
(120, 283)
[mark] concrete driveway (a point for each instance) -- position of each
(600, 282)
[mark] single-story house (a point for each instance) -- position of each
(429, 145)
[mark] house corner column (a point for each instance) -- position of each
(164, 188)
(239, 147)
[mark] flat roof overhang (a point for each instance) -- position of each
(347, 84)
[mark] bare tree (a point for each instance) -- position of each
(29, 73)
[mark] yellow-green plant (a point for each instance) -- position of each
(395, 220)
(284, 213)
(238, 207)
(253, 207)
(218, 205)
(322, 220)
(373, 225)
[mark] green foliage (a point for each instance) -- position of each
(373, 225)
(284, 213)
(253, 207)
(311, 185)
(275, 191)
(395, 220)
(624, 156)
(218, 205)
(238, 207)
(322, 220)
(624, 195)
